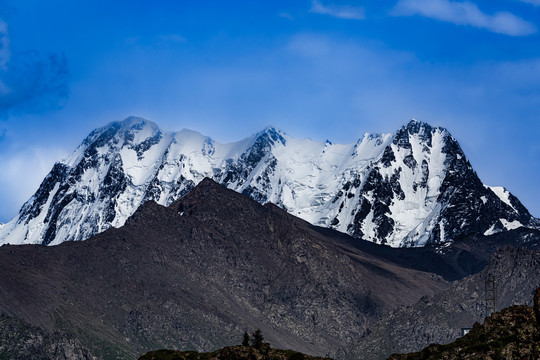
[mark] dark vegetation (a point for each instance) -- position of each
(230, 353)
(245, 339)
(258, 351)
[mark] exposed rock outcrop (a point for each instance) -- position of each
(510, 334)
(22, 341)
(439, 318)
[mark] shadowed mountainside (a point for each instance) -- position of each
(440, 317)
(512, 333)
(196, 274)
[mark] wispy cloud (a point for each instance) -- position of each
(465, 13)
(534, 2)
(343, 12)
(30, 81)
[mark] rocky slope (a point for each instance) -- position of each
(513, 333)
(439, 318)
(22, 341)
(196, 274)
(410, 188)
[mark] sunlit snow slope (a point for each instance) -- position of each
(410, 188)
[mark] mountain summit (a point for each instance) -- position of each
(410, 188)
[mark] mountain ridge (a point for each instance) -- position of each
(407, 189)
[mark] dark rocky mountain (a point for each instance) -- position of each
(408, 189)
(512, 333)
(440, 317)
(200, 272)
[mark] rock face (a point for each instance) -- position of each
(21, 341)
(231, 353)
(439, 318)
(407, 189)
(512, 333)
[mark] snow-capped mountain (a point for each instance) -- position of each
(410, 188)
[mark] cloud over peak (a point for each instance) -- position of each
(343, 12)
(465, 13)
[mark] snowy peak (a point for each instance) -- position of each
(419, 127)
(401, 189)
(264, 143)
(272, 135)
(133, 125)
(410, 188)
(132, 129)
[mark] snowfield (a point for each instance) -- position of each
(410, 188)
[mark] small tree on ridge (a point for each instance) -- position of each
(245, 340)
(257, 340)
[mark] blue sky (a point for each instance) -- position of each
(318, 69)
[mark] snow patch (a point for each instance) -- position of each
(510, 225)
(490, 231)
(502, 194)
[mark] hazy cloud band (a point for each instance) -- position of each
(465, 13)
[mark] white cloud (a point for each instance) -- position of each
(343, 12)
(22, 172)
(534, 2)
(465, 13)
